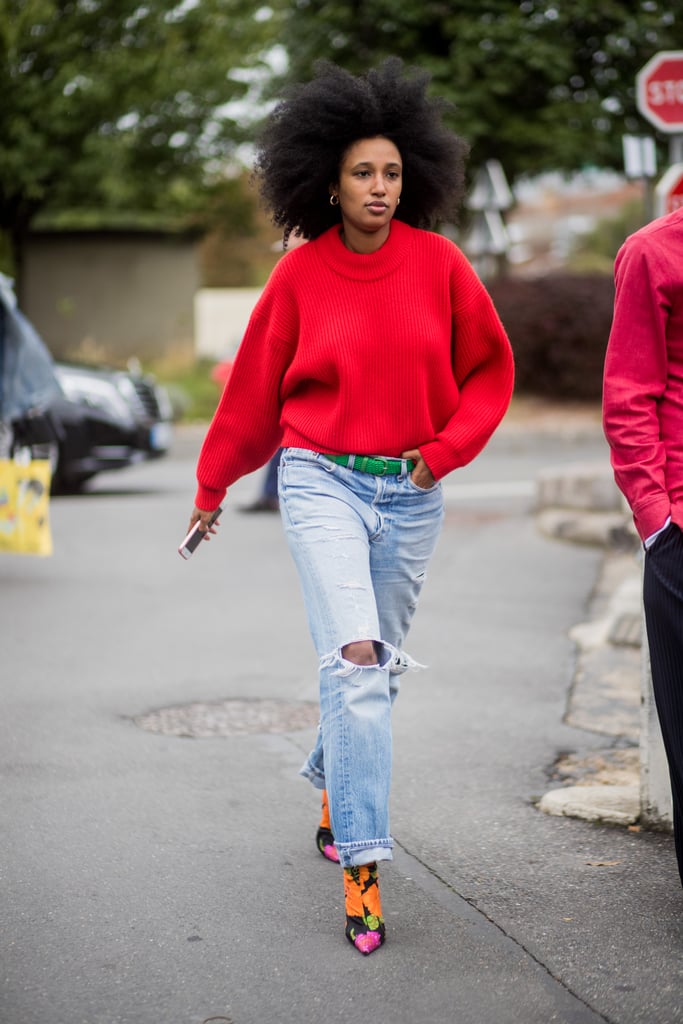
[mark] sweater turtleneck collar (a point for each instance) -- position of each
(366, 266)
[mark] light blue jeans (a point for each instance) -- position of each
(361, 544)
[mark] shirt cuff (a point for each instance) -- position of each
(649, 541)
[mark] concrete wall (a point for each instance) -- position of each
(221, 316)
(108, 296)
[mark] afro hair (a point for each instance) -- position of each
(313, 125)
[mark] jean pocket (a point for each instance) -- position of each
(422, 490)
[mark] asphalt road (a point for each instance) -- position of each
(150, 878)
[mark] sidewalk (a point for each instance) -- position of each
(580, 504)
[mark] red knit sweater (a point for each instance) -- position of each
(643, 392)
(365, 354)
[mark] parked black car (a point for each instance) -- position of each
(84, 419)
(103, 419)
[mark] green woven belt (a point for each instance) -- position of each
(375, 464)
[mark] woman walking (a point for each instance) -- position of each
(375, 358)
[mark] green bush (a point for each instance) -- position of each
(595, 250)
(558, 327)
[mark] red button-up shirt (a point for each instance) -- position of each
(643, 385)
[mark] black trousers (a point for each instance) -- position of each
(663, 600)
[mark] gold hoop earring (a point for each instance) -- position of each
(398, 201)
(334, 199)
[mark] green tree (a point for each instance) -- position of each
(596, 249)
(537, 84)
(121, 104)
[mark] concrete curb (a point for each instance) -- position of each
(581, 504)
(612, 805)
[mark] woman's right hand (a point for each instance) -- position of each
(203, 516)
(421, 475)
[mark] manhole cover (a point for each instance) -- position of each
(231, 718)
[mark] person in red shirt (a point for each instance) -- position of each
(376, 360)
(643, 421)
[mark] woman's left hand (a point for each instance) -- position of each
(422, 474)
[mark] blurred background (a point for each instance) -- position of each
(131, 228)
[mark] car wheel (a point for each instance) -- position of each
(70, 484)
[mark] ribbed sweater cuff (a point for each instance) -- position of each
(439, 458)
(208, 500)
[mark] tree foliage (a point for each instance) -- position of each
(128, 105)
(537, 84)
(119, 104)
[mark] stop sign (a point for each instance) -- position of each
(669, 191)
(659, 90)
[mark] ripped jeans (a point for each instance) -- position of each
(361, 544)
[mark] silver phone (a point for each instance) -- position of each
(194, 538)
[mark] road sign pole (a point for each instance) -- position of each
(640, 163)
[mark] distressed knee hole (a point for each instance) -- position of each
(362, 652)
(345, 660)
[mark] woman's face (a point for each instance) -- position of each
(370, 182)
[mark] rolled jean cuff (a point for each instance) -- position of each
(352, 855)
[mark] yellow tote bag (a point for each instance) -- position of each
(25, 507)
